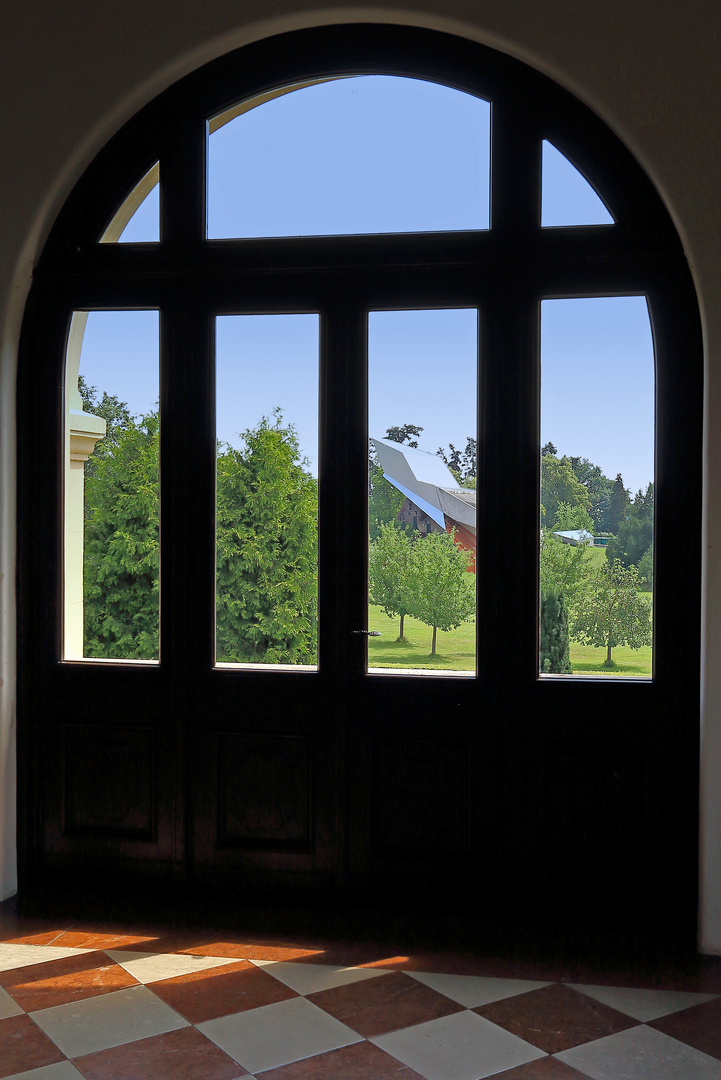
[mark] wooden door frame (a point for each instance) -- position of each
(506, 271)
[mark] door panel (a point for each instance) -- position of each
(263, 779)
(108, 776)
(503, 791)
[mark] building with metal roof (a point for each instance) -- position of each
(429, 484)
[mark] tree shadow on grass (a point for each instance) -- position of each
(414, 653)
(586, 668)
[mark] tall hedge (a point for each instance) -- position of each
(554, 634)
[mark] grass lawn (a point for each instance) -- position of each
(586, 660)
(455, 649)
(597, 556)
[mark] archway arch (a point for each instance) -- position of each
(75, 274)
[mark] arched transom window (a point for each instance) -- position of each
(360, 398)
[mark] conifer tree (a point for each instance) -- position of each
(620, 502)
(121, 564)
(267, 549)
(554, 634)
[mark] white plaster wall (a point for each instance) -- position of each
(72, 72)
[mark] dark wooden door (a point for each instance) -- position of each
(497, 790)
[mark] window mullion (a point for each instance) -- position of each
(187, 490)
(508, 489)
(343, 485)
(183, 168)
(515, 172)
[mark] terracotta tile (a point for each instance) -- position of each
(85, 936)
(167, 942)
(555, 1018)
(709, 975)
(699, 1026)
(208, 943)
(689, 981)
(390, 962)
(349, 955)
(44, 937)
(178, 1055)
(377, 1006)
(97, 939)
(343, 954)
(41, 986)
(23, 1046)
(206, 995)
(493, 967)
(548, 1068)
(362, 1061)
(255, 950)
(230, 949)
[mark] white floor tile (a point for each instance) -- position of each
(641, 1053)
(151, 967)
(82, 1027)
(643, 1005)
(459, 1047)
(475, 990)
(15, 956)
(8, 1007)
(310, 978)
(274, 1035)
(62, 1070)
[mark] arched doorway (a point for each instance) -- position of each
(337, 779)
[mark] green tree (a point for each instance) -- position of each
(635, 534)
(599, 489)
(612, 613)
(114, 412)
(565, 568)
(388, 572)
(267, 549)
(384, 500)
(570, 518)
(442, 591)
(407, 433)
(554, 634)
(619, 506)
(462, 463)
(559, 485)
(121, 541)
(645, 566)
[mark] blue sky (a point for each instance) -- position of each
(386, 154)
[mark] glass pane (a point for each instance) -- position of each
(422, 490)
(597, 471)
(567, 198)
(111, 486)
(137, 221)
(267, 489)
(357, 155)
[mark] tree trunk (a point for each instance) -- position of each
(609, 661)
(433, 643)
(400, 635)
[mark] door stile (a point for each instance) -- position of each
(343, 542)
(508, 492)
(187, 555)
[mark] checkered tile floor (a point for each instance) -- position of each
(112, 1004)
